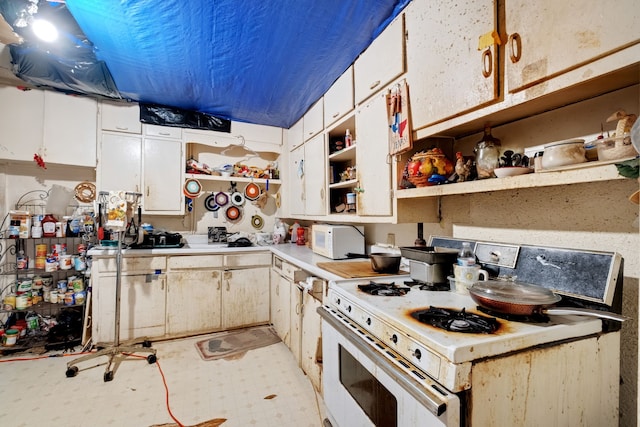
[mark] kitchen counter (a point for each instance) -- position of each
(301, 256)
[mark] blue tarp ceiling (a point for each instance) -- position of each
(263, 62)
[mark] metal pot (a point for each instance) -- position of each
(522, 299)
(384, 262)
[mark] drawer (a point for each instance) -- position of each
(247, 259)
(163, 131)
(132, 265)
(191, 262)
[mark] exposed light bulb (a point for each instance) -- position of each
(44, 30)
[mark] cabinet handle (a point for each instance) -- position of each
(515, 47)
(122, 127)
(487, 63)
(164, 133)
(278, 290)
(216, 275)
(227, 277)
(322, 193)
(147, 191)
(335, 115)
(374, 84)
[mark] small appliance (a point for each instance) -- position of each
(337, 241)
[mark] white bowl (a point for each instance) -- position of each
(563, 153)
(511, 171)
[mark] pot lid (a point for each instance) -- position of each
(514, 292)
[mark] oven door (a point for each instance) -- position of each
(362, 387)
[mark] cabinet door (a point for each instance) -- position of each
(295, 136)
(372, 159)
(21, 122)
(245, 297)
(163, 166)
(312, 120)
(296, 322)
(314, 176)
(444, 65)
(142, 307)
(280, 306)
(70, 129)
(193, 301)
(338, 100)
(119, 166)
(311, 344)
(564, 35)
(381, 62)
(120, 117)
(297, 173)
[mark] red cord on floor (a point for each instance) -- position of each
(164, 381)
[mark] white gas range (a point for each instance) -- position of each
(385, 367)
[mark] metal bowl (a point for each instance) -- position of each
(385, 262)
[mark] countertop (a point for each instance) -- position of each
(301, 256)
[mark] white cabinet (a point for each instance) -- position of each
(280, 308)
(120, 162)
(338, 100)
(245, 297)
(60, 128)
(142, 298)
(295, 315)
(546, 41)
(443, 58)
(295, 136)
(381, 62)
(162, 166)
(374, 190)
(307, 180)
(163, 131)
(120, 117)
(312, 121)
(151, 166)
(311, 339)
(253, 134)
(194, 303)
(314, 176)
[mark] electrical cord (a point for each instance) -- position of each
(164, 381)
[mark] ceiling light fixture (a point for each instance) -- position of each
(45, 30)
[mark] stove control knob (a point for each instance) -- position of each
(394, 338)
(349, 308)
(368, 321)
(417, 354)
(338, 301)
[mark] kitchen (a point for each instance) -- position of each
(569, 215)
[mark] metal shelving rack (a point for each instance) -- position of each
(116, 352)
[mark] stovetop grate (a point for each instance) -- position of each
(384, 289)
(456, 320)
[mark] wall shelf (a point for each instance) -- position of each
(203, 177)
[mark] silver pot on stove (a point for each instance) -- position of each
(429, 264)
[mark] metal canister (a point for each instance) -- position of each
(22, 302)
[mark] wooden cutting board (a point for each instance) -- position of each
(353, 269)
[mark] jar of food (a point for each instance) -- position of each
(10, 337)
(487, 152)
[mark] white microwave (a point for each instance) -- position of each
(336, 241)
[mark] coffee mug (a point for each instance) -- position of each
(466, 276)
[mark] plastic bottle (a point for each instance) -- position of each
(300, 236)
(347, 139)
(49, 226)
(466, 257)
(294, 232)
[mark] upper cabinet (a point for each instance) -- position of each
(381, 62)
(120, 117)
(306, 191)
(338, 100)
(295, 136)
(544, 42)
(60, 128)
(447, 73)
(312, 121)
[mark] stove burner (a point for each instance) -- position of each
(426, 286)
(532, 318)
(456, 320)
(383, 289)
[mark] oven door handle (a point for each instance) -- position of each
(431, 400)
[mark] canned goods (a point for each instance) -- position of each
(65, 262)
(41, 262)
(46, 295)
(79, 264)
(51, 264)
(33, 322)
(82, 248)
(53, 296)
(10, 302)
(41, 250)
(62, 286)
(10, 337)
(69, 298)
(24, 285)
(22, 302)
(77, 284)
(22, 262)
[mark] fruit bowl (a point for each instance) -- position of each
(511, 171)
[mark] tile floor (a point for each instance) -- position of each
(264, 387)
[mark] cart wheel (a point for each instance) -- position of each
(108, 376)
(72, 371)
(151, 359)
(146, 344)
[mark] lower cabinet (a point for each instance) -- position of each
(311, 339)
(280, 307)
(163, 297)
